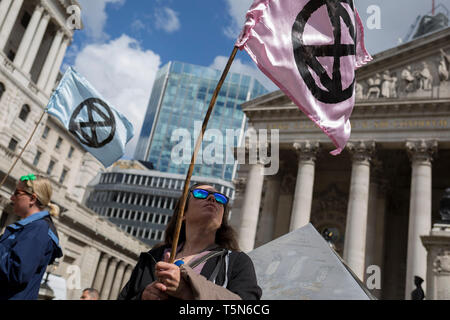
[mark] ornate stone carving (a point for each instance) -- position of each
(374, 87)
(425, 78)
(421, 150)
(381, 86)
(418, 79)
(442, 262)
(389, 85)
(306, 150)
(362, 151)
(359, 94)
(444, 66)
(408, 79)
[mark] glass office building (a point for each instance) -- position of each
(180, 98)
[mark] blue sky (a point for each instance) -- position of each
(124, 42)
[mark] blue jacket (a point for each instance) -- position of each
(26, 249)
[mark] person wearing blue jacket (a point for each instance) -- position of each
(29, 245)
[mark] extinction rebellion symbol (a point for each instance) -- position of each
(306, 55)
(86, 127)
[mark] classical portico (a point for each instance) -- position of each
(381, 194)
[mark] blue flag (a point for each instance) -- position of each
(101, 130)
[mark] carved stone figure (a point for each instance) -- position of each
(442, 263)
(425, 77)
(444, 66)
(408, 79)
(374, 87)
(359, 91)
(393, 88)
(389, 85)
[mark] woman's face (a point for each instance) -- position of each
(22, 201)
(203, 211)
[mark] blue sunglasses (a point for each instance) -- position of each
(203, 194)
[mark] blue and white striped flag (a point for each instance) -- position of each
(101, 130)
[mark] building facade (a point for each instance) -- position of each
(33, 41)
(179, 100)
(381, 194)
(141, 201)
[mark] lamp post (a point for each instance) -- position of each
(45, 292)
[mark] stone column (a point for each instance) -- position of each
(51, 56)
(301, 208)
(109, 279)
(9, 22)
(250, 208)
(117, 281)
(355, 230)
(28, 36)
(36, 43)
(375, 222)
(420, 153)
(266, 224)
(101, 271)
(4, 7)
(55, 68)
(126, 276)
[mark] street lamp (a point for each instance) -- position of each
(45, 292)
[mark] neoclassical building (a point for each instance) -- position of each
(381, 194)
(34, 37)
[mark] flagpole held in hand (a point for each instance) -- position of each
(23, 149)
(194, 155)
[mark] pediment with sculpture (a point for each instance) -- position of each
(428, 78)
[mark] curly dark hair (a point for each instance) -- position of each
(225, 235)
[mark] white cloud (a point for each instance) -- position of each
(236, 10)
(94, 17)
(138, 25)
(239, 67)
(124, 74)
(166, 19)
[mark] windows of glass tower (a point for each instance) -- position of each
(186, 97)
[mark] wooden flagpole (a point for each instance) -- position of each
(23, 149)
(194, 155)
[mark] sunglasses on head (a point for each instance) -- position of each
(203, 194)
(19, 192)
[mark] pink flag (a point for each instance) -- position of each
(310, 49)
